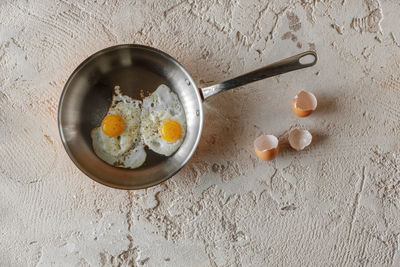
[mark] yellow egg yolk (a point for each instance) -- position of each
(171, 131)
(113, 125)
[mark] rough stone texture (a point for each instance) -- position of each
(336, 203)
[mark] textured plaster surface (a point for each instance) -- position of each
(336, 203)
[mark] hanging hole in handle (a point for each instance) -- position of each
(308, 59)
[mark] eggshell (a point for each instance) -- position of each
(304, 103)
(266, 147)
(299, 138)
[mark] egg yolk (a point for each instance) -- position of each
(112, 125)
(171, 131)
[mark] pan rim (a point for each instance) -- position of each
(60, 109)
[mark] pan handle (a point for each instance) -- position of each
(300, 61)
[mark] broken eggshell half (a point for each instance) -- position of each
(304, 103)
(299, 139)
(266, 147)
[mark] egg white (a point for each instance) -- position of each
(133, 158)
(161, 106)
(127, 149)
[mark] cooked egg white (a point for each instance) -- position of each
(118, 141)
(163, 121)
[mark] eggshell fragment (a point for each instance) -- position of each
(304, 103)
(266, 147)
(299, 139)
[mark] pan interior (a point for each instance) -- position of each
(87, 96)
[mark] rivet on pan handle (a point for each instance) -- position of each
(300, 61)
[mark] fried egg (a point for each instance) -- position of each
(118, 140)
(163, 121)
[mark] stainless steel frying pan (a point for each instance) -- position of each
(88, 92)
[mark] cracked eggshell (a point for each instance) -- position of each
(304, 103)
(299, 139)
(266, 147)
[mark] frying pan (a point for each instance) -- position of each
(88, 91)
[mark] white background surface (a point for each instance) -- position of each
(336, 203)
